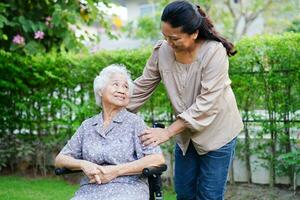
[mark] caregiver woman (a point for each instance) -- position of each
(192, 62)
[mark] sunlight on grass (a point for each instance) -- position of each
(19, 188)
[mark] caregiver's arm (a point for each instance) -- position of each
(146, 84)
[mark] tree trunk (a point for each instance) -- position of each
(247, 150)
(288, 147)
(171, 169)
(231, 174)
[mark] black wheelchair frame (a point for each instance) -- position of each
(152, 173)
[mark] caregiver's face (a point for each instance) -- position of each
(178, 40)
(116, 91)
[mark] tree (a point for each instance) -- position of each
(40, 26)
(239, 15)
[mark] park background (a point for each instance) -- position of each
(51, 50)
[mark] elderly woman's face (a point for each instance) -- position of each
(116, 91)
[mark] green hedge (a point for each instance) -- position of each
(45, 98)
(266, 81)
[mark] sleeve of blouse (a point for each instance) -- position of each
(146, 84)
(74, 146)
(141, 150)
(214, 80)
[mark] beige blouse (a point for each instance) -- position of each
(200, 94)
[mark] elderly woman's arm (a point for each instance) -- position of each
(71, 157)
(71, 163)
(137, 166)
(89, 168)
(108, 173)
(67, 162)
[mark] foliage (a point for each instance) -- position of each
(295, 26)
(33, 27)
(291, 159)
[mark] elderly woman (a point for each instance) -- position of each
(107, 146)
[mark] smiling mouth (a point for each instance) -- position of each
(120, 98)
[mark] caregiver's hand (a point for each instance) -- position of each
(154, 136)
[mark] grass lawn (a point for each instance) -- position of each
(20, 188)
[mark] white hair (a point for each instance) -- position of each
(105, 75)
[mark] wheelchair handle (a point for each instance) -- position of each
(158, 125)
(62, 171)
(158, 170)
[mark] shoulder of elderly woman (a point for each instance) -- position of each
(134, 118)
(129, 118)
(92, 121)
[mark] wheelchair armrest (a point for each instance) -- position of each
(146, 171)
(152, 173)
(157, 170)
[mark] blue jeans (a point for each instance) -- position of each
(202, 177)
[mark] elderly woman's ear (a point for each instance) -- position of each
(100, 93)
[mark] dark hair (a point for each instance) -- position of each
(192, 18)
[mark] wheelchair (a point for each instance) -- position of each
(152, 173)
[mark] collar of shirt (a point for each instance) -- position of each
(98, 122)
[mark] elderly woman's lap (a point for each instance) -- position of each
(111, 191)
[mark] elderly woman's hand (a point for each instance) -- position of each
(154, 136)
(91, 170)
(108, 173)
